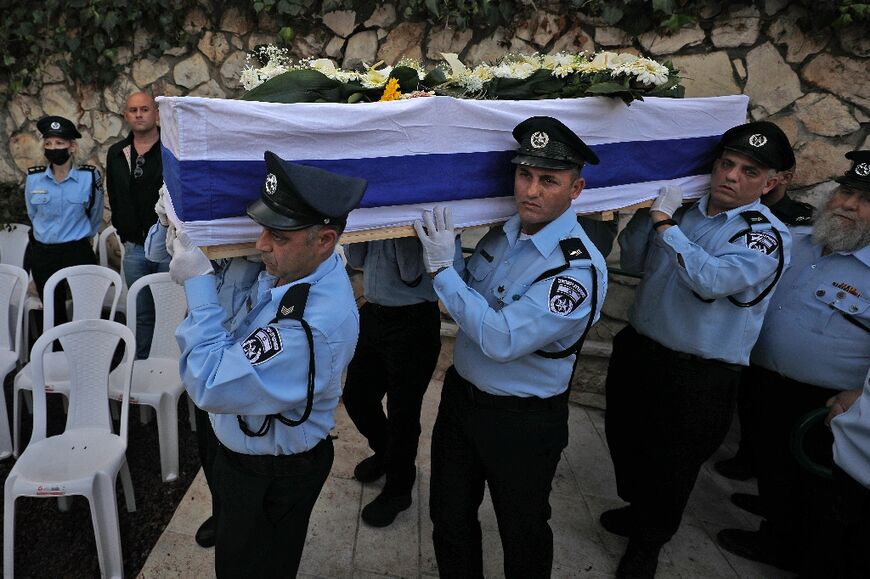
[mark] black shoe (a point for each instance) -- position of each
(382, 511)
(736, 468)
(205, 536)
(755, 546)
(749, 503)
(640, 560)
(618, 521)
(370, 469)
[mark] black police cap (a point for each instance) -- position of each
(298, 196)
(761, 141)
(858, 176)
(55, 126)
(546, 142)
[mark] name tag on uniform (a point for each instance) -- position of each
(39, 197)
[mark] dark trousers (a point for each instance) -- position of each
(747, 400)
(793, 499)
(847, 529)
(207, 444)
(667, 413)
(511, 444)
(45, 259)
(264, 506)
(395, 356)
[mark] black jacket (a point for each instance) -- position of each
(132, 199)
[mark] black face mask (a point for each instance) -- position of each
(57, 156)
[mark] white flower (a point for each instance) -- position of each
(562, 64)
(646, 71)
(375, 78)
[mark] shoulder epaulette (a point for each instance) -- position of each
(36, 169)
(88, 167)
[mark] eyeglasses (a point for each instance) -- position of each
(137, 172)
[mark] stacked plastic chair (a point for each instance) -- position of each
(13, 290)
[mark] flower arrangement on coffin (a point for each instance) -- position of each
(515, 77)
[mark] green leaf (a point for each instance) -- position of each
(432, 6)
(611, 14)
(666, 6)
(606, 88)
(286, 35)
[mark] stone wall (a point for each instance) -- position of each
(814, 85)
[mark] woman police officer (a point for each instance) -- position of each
(65, 206)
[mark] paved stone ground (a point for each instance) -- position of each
(340, 545)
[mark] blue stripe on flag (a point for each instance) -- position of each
(205, 190)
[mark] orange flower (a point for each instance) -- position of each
(391, 91)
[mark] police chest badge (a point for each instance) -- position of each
(762, 241)
(566, 294)
(262, 345)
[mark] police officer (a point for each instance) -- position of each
(524, 303)
(400, 339)
(272, 383)
(708, 272)
(815, 342)
(234, 278)
(65, 206)
(794, 214)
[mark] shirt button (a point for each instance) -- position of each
(820, 293)
(813, 266)
(841, 295)
(853, 309)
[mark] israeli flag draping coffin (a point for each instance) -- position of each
(418, 152)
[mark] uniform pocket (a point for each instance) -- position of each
(843, 307)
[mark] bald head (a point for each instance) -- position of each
(141, 114)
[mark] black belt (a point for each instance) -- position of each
(63, 245)
(649, 345)
(512, 403)
(274, 465)
(409, 310)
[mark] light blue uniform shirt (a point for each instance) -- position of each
(234, 276)
(807, 335)
(221, 379)
(699, 256)
(852, 437)
(393, 271)
(58, 210)
(504, 318)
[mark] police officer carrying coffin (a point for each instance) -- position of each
(526, 300)
(674, 370)
(272, 383)
(815, 342)
(794, 214)
(400, 339)
(65, 205)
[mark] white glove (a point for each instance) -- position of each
(438, 239)
(171, 234)
(187, 260)
(160, 208)
(668, 201)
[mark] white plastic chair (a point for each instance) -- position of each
(13, 286)
(86, 459)
(89, 284)
(103, 257)
(156, 382)
(13, 244)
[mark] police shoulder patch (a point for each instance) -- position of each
(763, 241)
(36, 169)
(566, 295)
(262, 345)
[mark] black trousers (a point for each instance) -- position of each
(207, 445)
(794, 500)
(747, 400)
(847, 529)
(45, 259)
(395, 356)
(263, 508)
(511, 444)
(667, 413)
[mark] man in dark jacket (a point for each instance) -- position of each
(134, 175)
